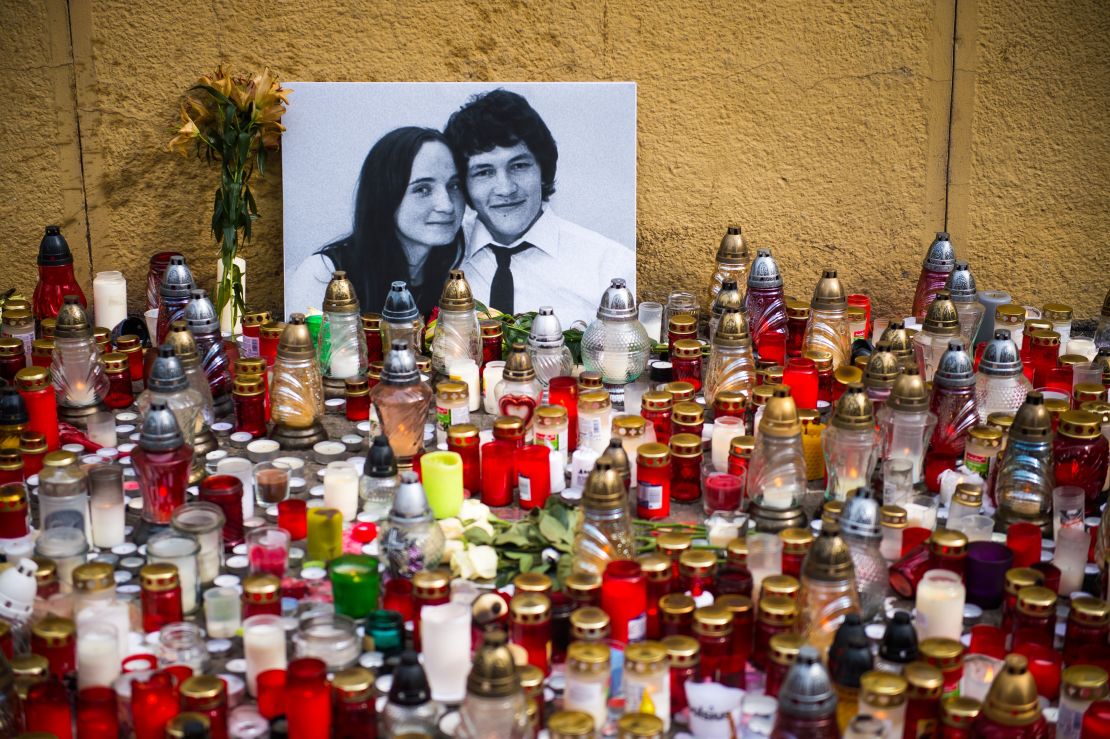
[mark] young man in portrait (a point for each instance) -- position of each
(519, 253)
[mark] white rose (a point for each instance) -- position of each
(474, 510)
(451, 547)
(484, 559)
(461, 566)
(482, 524)
(452, 528)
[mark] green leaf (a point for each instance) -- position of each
(526, 563)
(516, 535)
(475, 535)
(552, 530)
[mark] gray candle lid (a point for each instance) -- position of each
(399, 304)
(617, 303)
(167, 375)
(160, 432)
(200, 314)
(955, 368)
(765, 271)
(178, 280)
(941, 256)
(1001, 357)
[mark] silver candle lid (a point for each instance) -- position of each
(160, 432)
(167, 374)
(807, 690)
(618, 303)
(1001, 356)
(961, 283)
(178, 279)
(941, 256)
(955, 368)
(765, 271)
(400, 365)
(200, 314)
(410, 503)
(399, 304)
(547, 331)
(860, 517)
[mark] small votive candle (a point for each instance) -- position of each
(293, 517)
(940, 605)
(492, 373)
(268, 550)
(181, 550)
(98, 659)
(341, 489)
(725, 429)
(222, 609)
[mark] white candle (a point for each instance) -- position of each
(445, 646)
(108, 523)
(779, 495)
(466, 370)
(341, 489)
(241, 468)
(343, 364)
(98, 660)
(263, 647)
(180, 550)
(1085, 347)
(225, 314)
(725, 429)
(940, 605)
(491, 375)
(109, 298)
(114, 612)
(558, 461)
(1072, 545)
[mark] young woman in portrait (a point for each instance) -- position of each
(408, 211)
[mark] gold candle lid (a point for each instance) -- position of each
(633, 426)
(796, 308)
(676, 606)
(159, 576)
(829, 559)
(680, 390)
(683, 651)
(207, 689)
(590, 622)
(570, 725)
(784, 585)
(1036, 601)
(882, 689)
(854, 411)
(257, 317)
(656, 566)
(821, 358)
(1085, 683)
(1022, 577)
(777, 610)
(1087, 392)
(924, 680)
(339, 296)
(589, 380)
(741, 446)
(780, 415)
(431, 583)
(796, 541)
(493, 673)
(1012, 698)
(596, 400)
(93, 577)
(604, 487)
(942, 318)
(687, 413)
(530, 608)
(644, 656)
(533, 582)
(673, 543)
(354, 685)
(518, 365)
(733, 249)
(686, 446)
(941, 653)
(736, 551)
(54, 631)
(735, 603)
(712, 621)
(1009, 314)
(686, 349)
(456, 296)
(262, 588)
(582, 585)
(909, 393)
(697, 562)
(589, 656)
(271, 330)
(959, 712)
(968, 494)
(829, 293)
(732, 400)
(1056, 312)
(296, 341)
(1089, 611)
(640, 726)
(682, 323)
(785, 648)
(657, 400)
(1079, 425)
(732, 331)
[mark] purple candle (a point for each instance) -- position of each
(985, 577)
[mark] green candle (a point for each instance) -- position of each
(442, 475)
(354, 584)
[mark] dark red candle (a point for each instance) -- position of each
(533, 469)
(118, 370)
(657, 407)
(659, 572)
(306, 687)
(55, 638)
(530, 627)
(713, 630)
(653, 474)
(160, 595)
(624, 598)
(498, 473)
(353, 710)
(686, 460)
(686, 362)
(97, 713)
(463, 440)
(154, 702)
(564, 391)
(358, 399)
(33, 383)
(1024, 539)
(47, 709)
(800, 375)
(226, 491)
(207, 695)
(293, 517)
(249, 398)
(1081, 454)
(13, 511)
(372, 330)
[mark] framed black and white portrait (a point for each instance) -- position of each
(530, 188)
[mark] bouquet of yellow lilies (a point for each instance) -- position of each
(235, 120)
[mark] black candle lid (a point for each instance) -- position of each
(381, 462)
(410, 684)
(13, 410)
(53, 249)
(900, 640)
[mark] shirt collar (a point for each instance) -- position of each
(544, 235)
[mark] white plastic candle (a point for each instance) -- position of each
(241, 468)
(940, 605)
(1084, 347)
(117, 613)
(491, 375)
(225, 314)
(466, 370)
(180, 550)
(341, 489)
(725, 429)
(445, 646)
(764, 558)
(107, 523)
(1072, 545)
(263, 647)
(558, 461)
(109, 298)
(98, 660)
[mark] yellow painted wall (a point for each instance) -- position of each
(822, 127)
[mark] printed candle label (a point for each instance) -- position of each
(524, 486)
(447, 417)
(555, 442)
(250, 346)
(589, 429)
(978, 464)
(637, 628)
(650, 496)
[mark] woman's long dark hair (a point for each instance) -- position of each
(372, 255)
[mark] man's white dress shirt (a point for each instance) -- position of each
(568, 268)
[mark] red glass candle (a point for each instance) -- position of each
(686, 460)
(800, 375)
(564, 391)
(129, 346)
(33, 383)
(784, 650)
(713, 630)
(687, 417)
(957, 412)
(948, 551)
(1017, 578)
(947, 655)
(906, 573)
(252, 329)
(13, 358)
(397, 597)
(530, 627)
(47, 709)
(924, 690)
(32, 447)
(463, 440)
(729, 403)
(681, 327)
(653, 474)
(823, 360)
(271, 693)
(859, 300)
(1035, 619)
(988, 640)
(160, 596)
(55, 638)
(1081, 454)
(697, 572)
(743, 632)
(98, 713)
(739, 455)
(660, 580)
(685, 655)
(1024, 540)
(42, 352)
(1045, 665)
(686, 362)
(723, 492)
(776, 614)
(657, 407)
(354, 715)
(154, 702)
(1088, 630)
(372, 330)
(676, 615)
(1044, 352)
(250, 405)
(306, 687)
(163, 477)
(1096, 721)
(492, 335)
(293, 517)
(624, 598)
(498, 473)
(261, 595)
(533, 471)
(13, 511)
(268, 337)
(357, 393)
(11, 467)
(226, 491)
(795, 545)
(797, 316)
(429, 588)
(207, 695)
(116, 367)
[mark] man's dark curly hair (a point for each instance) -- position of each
(501, 118)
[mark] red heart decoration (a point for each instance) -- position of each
(522, 406)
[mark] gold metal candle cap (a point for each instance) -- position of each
(1080, 425)
(829, 293)
(1012, 699)
(93, 576)
(829, 559)
(854, 410)
(296, 341)
(882, 368)
(909, 393)
(1057, 312)
(604, 487)
(1032, 422)
(73, 322)
(942, 318)
(732, 330)
(456, 295)
(780, 415)
(733, 249)
(493, 673)
(339, 297)
(182, 341)
(518, 367)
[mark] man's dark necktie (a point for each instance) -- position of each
(502, 288)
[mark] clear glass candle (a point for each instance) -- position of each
(205, 522)
(181, 550)
(222, 609)
(268, 550)
(106, 504)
